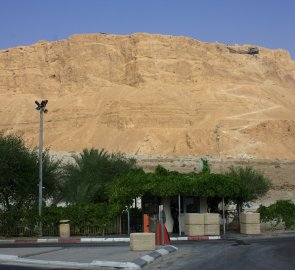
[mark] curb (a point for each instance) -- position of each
(80, 240)
(147, 259)
(136, 264)
(194, 238)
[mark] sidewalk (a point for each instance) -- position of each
(107, 239)
(82, 257)
(125, 239)
(117, 255)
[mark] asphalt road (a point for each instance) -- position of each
(62, 245)
(256, 254)
(12, 267)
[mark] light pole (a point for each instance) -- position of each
(217, 132)
(41, 108)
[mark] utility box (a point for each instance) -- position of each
(64, 228)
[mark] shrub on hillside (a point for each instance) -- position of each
(282, 211)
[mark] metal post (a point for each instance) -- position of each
(223, 216)
(120, 224)
(217, 132)
(179, 211)
(128, 220)
(40, 171)
(161, 218)
(41, 108)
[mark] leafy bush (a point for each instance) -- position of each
(80, 216)
(239, 185)
(280, 211)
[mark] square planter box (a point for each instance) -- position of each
(142, 241)
(250, 218)
(212, 229)
(250, 228)
(193, 219)
(194, 230)
(212, 219)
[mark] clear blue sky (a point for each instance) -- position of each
(267, 23)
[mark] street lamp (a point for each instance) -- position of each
(41, 108)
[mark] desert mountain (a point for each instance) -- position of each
(151, 94)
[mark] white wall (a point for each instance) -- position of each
(167, 208)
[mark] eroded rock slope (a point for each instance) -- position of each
(151, 94)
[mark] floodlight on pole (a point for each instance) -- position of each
(41, 108)
(217, 132)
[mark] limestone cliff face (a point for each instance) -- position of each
(151, 94)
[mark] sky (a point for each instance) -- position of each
(266, 23)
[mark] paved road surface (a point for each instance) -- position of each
(251, 254)
(11, 267)
(258, 254)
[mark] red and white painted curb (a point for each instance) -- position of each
(194, 238)
(75, 240)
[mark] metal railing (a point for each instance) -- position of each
(53, 230)
(117, 226)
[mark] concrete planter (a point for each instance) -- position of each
(250, 223)
(194, 219)
(250, 228)
(194, 230)
(250, 218)
(142, 241)
(211, 219)
(212, 229)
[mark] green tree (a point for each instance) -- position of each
(238, 185)
(86, 179)
(19, 173)
(252, 185)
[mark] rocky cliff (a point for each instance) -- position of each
(151, 94)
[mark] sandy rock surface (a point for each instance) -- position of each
(152, 95)
(158, 94)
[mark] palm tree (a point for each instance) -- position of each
(86, 179)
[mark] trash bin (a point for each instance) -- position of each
(64, 228)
